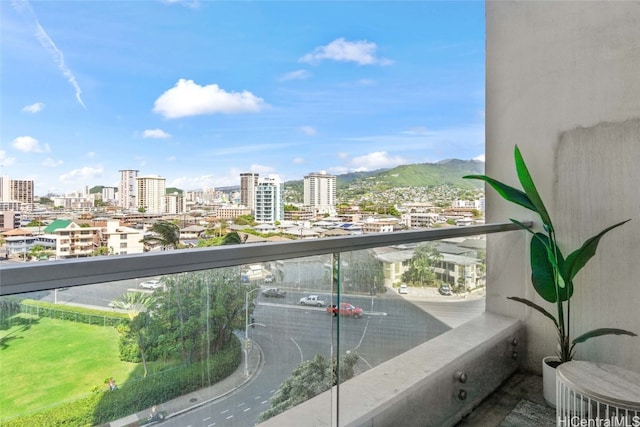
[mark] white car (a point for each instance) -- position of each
(151, 284)
(403, 289)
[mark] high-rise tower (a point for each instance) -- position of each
(150, 193)
(248, 184)
(269, 200)
(320, 192)
(127, 189)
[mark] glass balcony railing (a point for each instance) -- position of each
(226, 336)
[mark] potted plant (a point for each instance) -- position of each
(552, 273)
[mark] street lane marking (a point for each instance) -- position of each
(229, 417)
(224, 412)
(299, 349)
(374, 313)
(206, 419)
(247, 409)
(263, 402)
(241, 404)
(256, 398)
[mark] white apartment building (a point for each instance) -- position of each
(269, 204)
(150, 193)
(248, 185)
(75, 241)
(320, 192)
(421, 219)
(127, 189)
(378, 225)
(16, 190)
(109, 195)
(123, 240)
(175, 204)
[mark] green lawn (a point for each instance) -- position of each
(50, 361)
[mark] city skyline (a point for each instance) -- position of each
(200, 92)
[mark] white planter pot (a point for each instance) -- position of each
(549, 380)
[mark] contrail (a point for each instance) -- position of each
(47, 43)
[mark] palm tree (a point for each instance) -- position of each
(166, 234)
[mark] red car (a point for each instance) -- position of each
(346, 309)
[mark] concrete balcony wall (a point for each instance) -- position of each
(562, 83)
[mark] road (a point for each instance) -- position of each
(293, 333)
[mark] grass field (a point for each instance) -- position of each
(50, 361)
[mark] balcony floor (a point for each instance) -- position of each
(517, 403)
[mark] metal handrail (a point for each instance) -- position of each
(38, 276)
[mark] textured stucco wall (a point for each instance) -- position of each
(563, 82)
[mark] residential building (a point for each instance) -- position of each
(248, 185)
(127, 189)
(109, 195)
(73, 240)
(150, 193)
(269, 205)
(174, 203)
(320, 192)
(122, 240)
(5, 189)
(231, 212)
(16, 190)
(9, 219)
(372, 225)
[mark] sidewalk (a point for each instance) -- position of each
(203, 396)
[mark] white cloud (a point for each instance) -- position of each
(299, 161)
(6, 161)
(261, 169)
(33, 108)
(29, 144)
(24, 7)
(171, 159)
(418, 130)
(192, 4)
(51, 163)
(80, 176)
(361, 52)
(295, 75)
(376, 160)
(343, 155)
(187, 98)
(91, 154)
(155, 133)
(308, 130)
(479, 158)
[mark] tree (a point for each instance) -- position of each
(422, 266)
(362, 272)
(244, 220)
(165, 234)
(137, 305)
(102, 250)
(233, 238)
(309, 379)
(36, 223)
(196, 314)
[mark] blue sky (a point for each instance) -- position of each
(200, 91)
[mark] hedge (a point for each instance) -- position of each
(73, 313)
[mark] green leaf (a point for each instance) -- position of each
(536, 307)
(530, 189)
(579, 258)
(509, 193)
(599, 332)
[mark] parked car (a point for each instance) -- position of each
(151, 284)
(274, 293)
(403, 289)
(445, 289)
(345, 309)
(269, 278)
